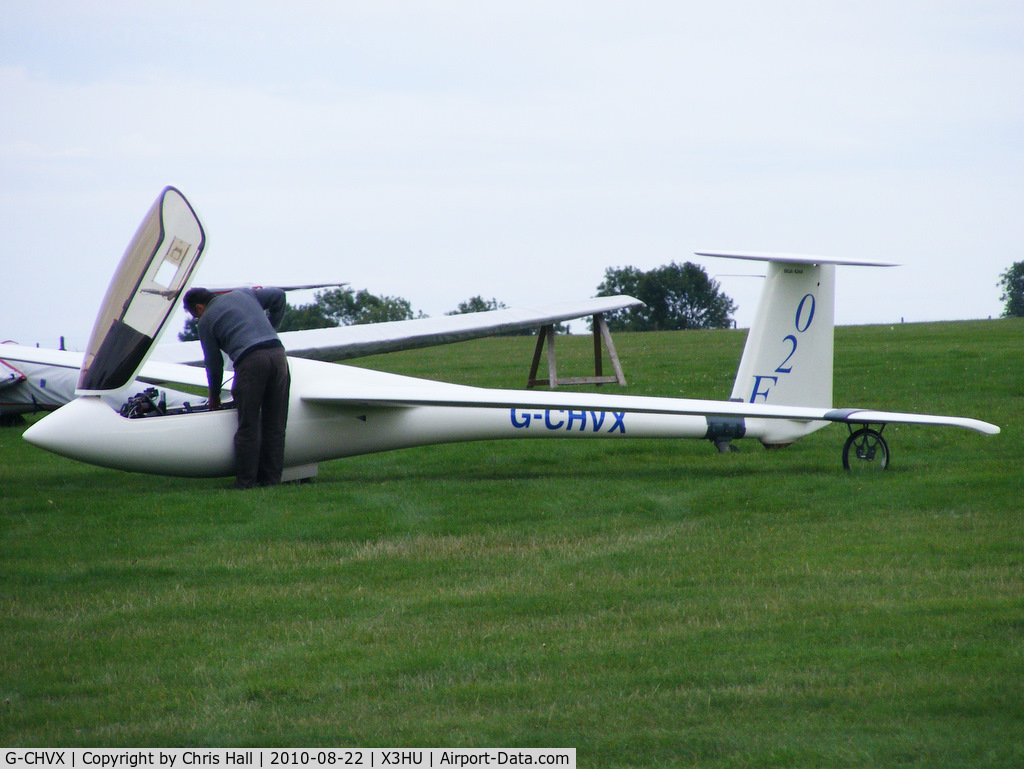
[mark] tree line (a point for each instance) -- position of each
(675, 297)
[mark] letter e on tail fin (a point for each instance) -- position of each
(787, 360)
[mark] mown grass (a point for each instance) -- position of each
(649, 603)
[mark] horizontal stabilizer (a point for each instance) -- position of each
(763, 256)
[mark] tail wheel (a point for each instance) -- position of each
(865, 449)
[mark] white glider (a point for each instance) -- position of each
(782, 392)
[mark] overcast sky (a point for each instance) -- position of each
(515, 150)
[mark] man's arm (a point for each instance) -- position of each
(274, 302)
(214, 362)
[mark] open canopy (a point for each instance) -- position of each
(143, 294)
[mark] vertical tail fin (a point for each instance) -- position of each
(787, 360)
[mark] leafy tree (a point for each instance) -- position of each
(675, 297)
(348, 307)
(477, 304)
(305, 316)
(1012, 283)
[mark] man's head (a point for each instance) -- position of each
(196, 300)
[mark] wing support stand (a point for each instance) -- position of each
(865, 449)
(602, 338)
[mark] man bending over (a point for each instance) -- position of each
(243, 324)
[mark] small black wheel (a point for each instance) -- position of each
(865, 449)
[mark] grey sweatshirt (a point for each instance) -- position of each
(235, 322)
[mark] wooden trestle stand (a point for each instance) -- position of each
(602, 335)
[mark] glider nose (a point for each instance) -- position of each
(69, 430)
(88, 430)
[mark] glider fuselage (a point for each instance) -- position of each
(200, 444)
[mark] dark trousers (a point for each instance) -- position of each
(261, 387)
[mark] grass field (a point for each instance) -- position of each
(650, 603)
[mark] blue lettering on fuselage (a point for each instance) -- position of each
(580, 421)
(577, 416)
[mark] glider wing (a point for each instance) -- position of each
(346, 342)
(369, 389)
